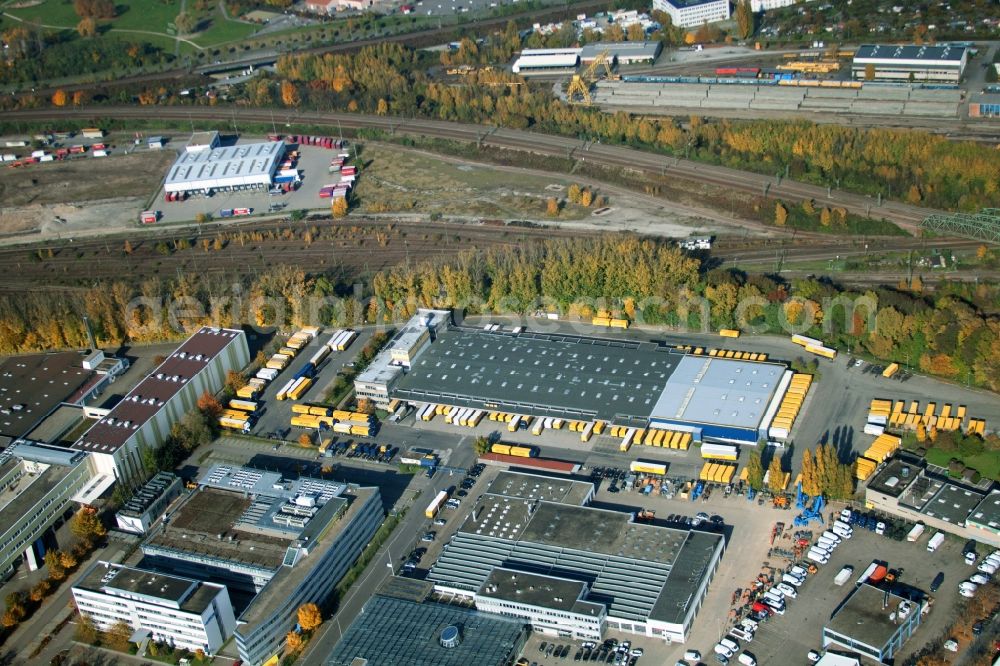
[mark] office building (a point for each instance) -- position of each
(275, 543)
(147, 505)
(873, 622)
(181, 612)
(694, 13)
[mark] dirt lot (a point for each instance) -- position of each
(79, 195)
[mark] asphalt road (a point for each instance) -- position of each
(904, 215)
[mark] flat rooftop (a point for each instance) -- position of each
(689, 569)
(714, 391)
(165, 589)
(532, 589)
(622, 49)
(31, 386)
(913, 52)
(952, 504)
(538, 487)
(540, 374)
(322, 536)
(22, 497)
(237, 162)
(987, 512)
(62, 420)
(863, 619)
(895, 477)
(680, 4)
(150, 492)
(415, 630)
(197, 524)
(152, 393)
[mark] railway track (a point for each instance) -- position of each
(906, 216)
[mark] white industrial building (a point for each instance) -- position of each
(693, 13)
(906, 62)
(143, 417)
(181, 612)
(622, 53)
(248, 166)
(552, 605)
(542, 61)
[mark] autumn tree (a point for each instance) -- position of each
(586, 198)
(127, 249)
(824, 217)
(186, 23)
(86, 630)
(780, 214)
(68, 559)
(59, 97)
(305, 439)
(755, 470)
(293, 642)
(383, 107)
(744, 19)
(775, 475)
(309, 617)
(289, 94)
(552, 207)
(95, 9)
(810, 481)
(614, 33)
(235, 381)
(117, 636)
(870, 72)
(636, 33)
(209, 405)
(87, 27)
(40, 590)
(573, 193)
(87, 525)
(80, 97)
(54, 566)
(339, 207)
(913, 195)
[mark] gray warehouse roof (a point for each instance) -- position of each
(704, 389)
(415, 630)
(862, 617)
(540, 374)
(621, 49)
(987, 513)
(532, 589)
(867, 52)
(239, 162)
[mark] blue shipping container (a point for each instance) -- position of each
(306, 370)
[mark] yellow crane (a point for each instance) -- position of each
(578, 91)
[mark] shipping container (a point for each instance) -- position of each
(283, 391)
(436, 504)
(729, 333)
(804, 341)
(890, 370)
(648, 467)
(719, 451)
(514, 423)
(820, 350)
(244, 405)
(149, 216)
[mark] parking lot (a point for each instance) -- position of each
(277, 414)
(313, 165)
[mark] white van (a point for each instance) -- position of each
(794, 581)
(746, 658)
(741, 634)
(831, 536)
(823, 549)
(840, 526)
(731, 644)
(776, 606)
(817, 557)
(826, 544)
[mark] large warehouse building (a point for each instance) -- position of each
(249, 166)
(899, 62)
(531, 549)
(620, 382)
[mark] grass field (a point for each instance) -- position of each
(404, 181)
(986, 463)
(139, 15)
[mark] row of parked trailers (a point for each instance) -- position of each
(310, 140)
(318, 417)
(888, 413)
(880, 450)
(668, 439)
(790, 406)
(814, 346)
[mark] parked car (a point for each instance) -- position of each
(936, 583)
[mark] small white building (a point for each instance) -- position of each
(693, 13)
(202, 141)
(552, 605)
(181, 612)
(541, 61)
(765, 5)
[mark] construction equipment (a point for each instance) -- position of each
(578, 91)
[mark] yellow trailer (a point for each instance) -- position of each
(729, 333)
(619, 323)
